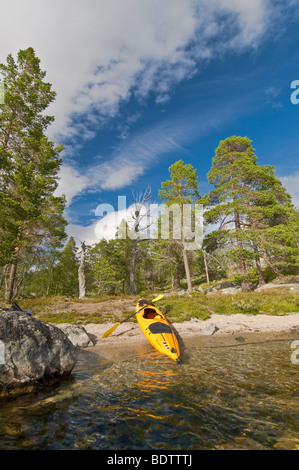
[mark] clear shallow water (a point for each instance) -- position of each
(243, 397)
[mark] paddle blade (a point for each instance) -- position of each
(158, 298)
(110, 331)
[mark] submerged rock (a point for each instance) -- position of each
(32, 351)
(241, 339)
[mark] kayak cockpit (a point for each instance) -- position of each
(151, 313)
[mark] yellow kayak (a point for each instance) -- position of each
(157, 329)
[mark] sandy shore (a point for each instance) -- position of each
(217, 330)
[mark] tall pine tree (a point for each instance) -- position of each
(29, 164)
(250, 206)
(181, 189)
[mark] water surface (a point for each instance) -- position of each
(242, 397)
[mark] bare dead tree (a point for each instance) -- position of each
(81, 272)
(206, 267)
(140, 216)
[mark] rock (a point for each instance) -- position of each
(33, 351)
(294, 289)
(272, 285)
(241, 339)
(223, 285)
(200, 290)
(77, 335)
(230, 291)
(180, 292)
(209, 330)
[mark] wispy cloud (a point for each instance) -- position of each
(272, 97)
(146, 148)
(128, 161)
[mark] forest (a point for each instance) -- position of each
(251, 227)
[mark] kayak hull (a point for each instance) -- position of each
(157, 329)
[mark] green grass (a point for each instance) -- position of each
(201, 306)
(177, 308)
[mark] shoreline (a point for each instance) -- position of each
(218, 330)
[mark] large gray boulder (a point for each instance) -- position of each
(31, 351)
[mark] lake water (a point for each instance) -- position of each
(241, 397)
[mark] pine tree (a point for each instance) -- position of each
(181, 189)
(249, 204)
(106, 267)
(29, 164)
(67, 270)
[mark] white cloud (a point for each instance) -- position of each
(136, 155)
(95, 51)
(80, 234)
(98, 53)
(126, 164)
(291, 183)
(71, 183)
(115, 177)
(252, 19)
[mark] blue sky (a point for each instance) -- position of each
(143, 83)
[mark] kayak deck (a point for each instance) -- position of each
(157, 329)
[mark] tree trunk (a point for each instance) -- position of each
(279, 274)
(11, 282)
(187, 270)
(81, 272)
(242, 265)
(152, 280)
(133, 267)
(258, 265)
(177, 280)
(185, 257)
(18, 284)
(140, 200)
(206, 267)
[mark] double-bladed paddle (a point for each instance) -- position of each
(108, 332)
